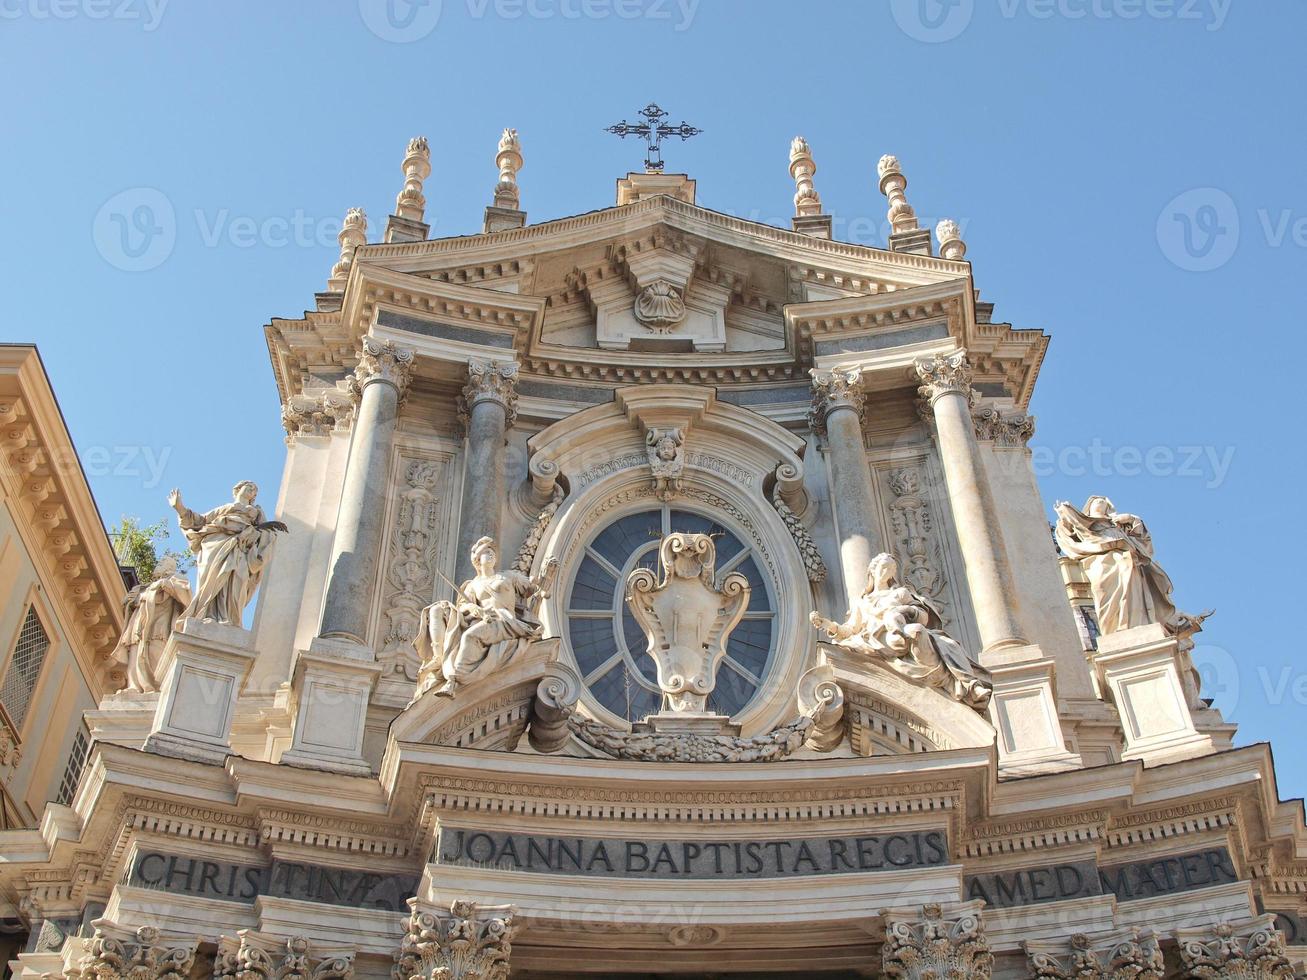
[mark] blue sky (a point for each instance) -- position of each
(1127, 173)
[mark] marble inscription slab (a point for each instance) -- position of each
(721, 859)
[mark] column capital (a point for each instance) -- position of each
(251, 955)
(142, 953)
(934, 941)
(490, 381)
(1101, 956)
(943, 374)
(466, 941)
(386, 361)
(1251, 948)
(1010, 430)
(832, 390)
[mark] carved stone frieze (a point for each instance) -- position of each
(468, 942)
(917, 536)
(651, 746)
(412, 557)
(1248, 950)
(118, 953)
(1127, 954)
(934, 942)
(490, 381)
(1006, 430)
(384, 361)
(255, 956)
(832, 390)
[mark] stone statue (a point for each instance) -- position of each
(150, 612)
(666, 460)
(687, 617)
(1116, 552)
(231, 544)
(489, 622)
(904, 630)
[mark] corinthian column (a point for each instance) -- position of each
(946, 387)
(488, 408)
(837, 408)
(382, 377)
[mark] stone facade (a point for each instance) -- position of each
(658, 592)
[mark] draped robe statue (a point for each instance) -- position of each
(152, 610)
(904, 630)
(1116, 552)
(492, 619)
(231, 544)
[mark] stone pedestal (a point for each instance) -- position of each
(1024, 711)
(124, 718)
(1140, 669)
(332, 683)
(203, 666)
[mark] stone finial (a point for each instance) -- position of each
(468, 941)
(802, 168)
(411, 203)
(353, 233)
(509, 162)
(893, 184)
(1250, 948)
(936, 943)
(949, 235)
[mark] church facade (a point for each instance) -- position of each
(654, 592)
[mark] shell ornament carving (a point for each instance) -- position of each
(659, 306)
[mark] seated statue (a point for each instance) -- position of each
(904, 631)
(151, 610)
(492, 619)
(1116, 552)
(231, 545)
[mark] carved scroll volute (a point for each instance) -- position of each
(822, 699)
(555, 700)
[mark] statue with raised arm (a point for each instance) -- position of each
(1116, 552)
(904, 630)
(231, 545)
(150, 612)
(491, 619)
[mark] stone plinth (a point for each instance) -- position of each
(203, 666)
(1024, 711)
(687, 723)
(1140, 669)
(332, 682)
(125, 718)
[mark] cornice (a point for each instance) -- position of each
(56, 514)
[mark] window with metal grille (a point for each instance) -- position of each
(73, 771)
(24, 668)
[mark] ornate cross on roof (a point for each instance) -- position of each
(654, 129)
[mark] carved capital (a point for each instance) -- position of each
(384, 361)
(252, 955)
(1126, 954)
(935, 942)
(318, 412)
(118, 953)
(944, 374)
(490, 381)
(1250, 949)
(466, 943)
(831, 391)
(1012, 430)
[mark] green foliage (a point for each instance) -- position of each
(139, 546)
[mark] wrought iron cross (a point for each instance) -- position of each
(653, 129)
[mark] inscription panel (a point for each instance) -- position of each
(714, 859)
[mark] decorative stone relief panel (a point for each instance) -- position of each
(422, 515)
(919, 530)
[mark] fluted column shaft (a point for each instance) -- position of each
(382, 377)
(837, 409)
(488, 408)
(946, 386)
